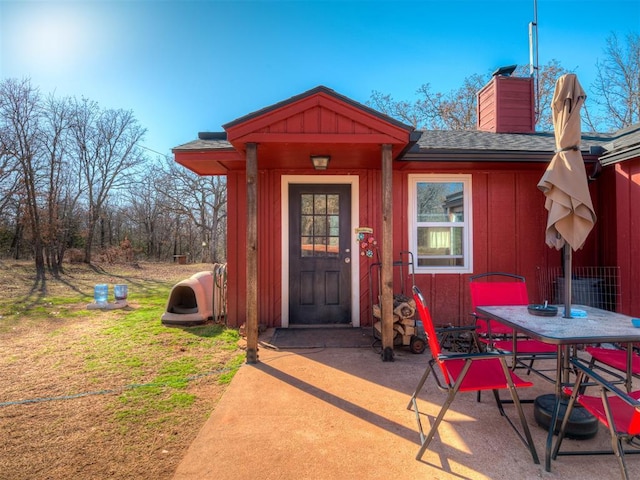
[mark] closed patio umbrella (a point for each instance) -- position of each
(564, 183)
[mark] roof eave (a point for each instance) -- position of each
(448, 155)
(620, 155)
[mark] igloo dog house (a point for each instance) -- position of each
(190, 301)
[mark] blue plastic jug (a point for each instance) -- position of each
(120, 292)
(101, 293)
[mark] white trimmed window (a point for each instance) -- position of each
(440, 223)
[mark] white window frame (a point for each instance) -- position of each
(467, 242)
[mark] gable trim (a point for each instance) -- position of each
(363, 119)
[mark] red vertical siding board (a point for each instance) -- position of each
(371, 216)
(312, 120)
(344, 124)
(633, 307)
(358, 127)
(628, 222)
(269, 250)
(375, 213)
(236, 248)
(232, 250)
(531, 218)
(362, 221)
(501, 222)
(278, 127)
(295, 123)
(480, 198)
(606, 208)
(445, 301)
(276, 250)
(328, 121)
(588, 255)
(265, 293)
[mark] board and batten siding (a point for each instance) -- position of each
(619, 222)
(508, 236)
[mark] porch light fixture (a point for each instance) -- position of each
(320, 162)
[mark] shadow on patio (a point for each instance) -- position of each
(340, 413)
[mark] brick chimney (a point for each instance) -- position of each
(506, 105)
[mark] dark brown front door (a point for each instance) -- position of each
(319, 254)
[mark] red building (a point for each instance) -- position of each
(462, 202)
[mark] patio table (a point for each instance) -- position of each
(599, 326)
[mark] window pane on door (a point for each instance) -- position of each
(306, 203)
(320, 225)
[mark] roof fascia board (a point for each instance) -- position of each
(208, 168)
(208, 155)
(483, 156)
(322, 138)
(621, 155)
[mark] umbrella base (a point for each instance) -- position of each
(582, 425)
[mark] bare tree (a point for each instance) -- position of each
(106, 145)
(203, 202)
(546, 85)
(20, 116)
(66, 167)
(617, 85)
(457, 110)
(62, 186)
(148, 213)
(408, 112)
(9, 180)
(9, 203)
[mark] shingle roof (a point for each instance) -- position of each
(436, 145)
(475, 140)
(624, 146)
(207, 141)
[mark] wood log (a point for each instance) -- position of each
(404, 310)
(399, 298)
(378, 327)
(378, 330)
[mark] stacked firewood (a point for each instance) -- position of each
(404, 322)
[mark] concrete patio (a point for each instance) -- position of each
(340, 413)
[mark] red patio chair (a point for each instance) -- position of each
(466, 372)
(509, 289)
(617, 410)
(616, 358)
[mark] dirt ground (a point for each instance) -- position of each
(56, 419)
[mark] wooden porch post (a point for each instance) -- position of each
(387, 255)
(252, 253)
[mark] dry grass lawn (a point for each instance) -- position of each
(71, 401)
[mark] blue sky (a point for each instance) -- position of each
(189, 66)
